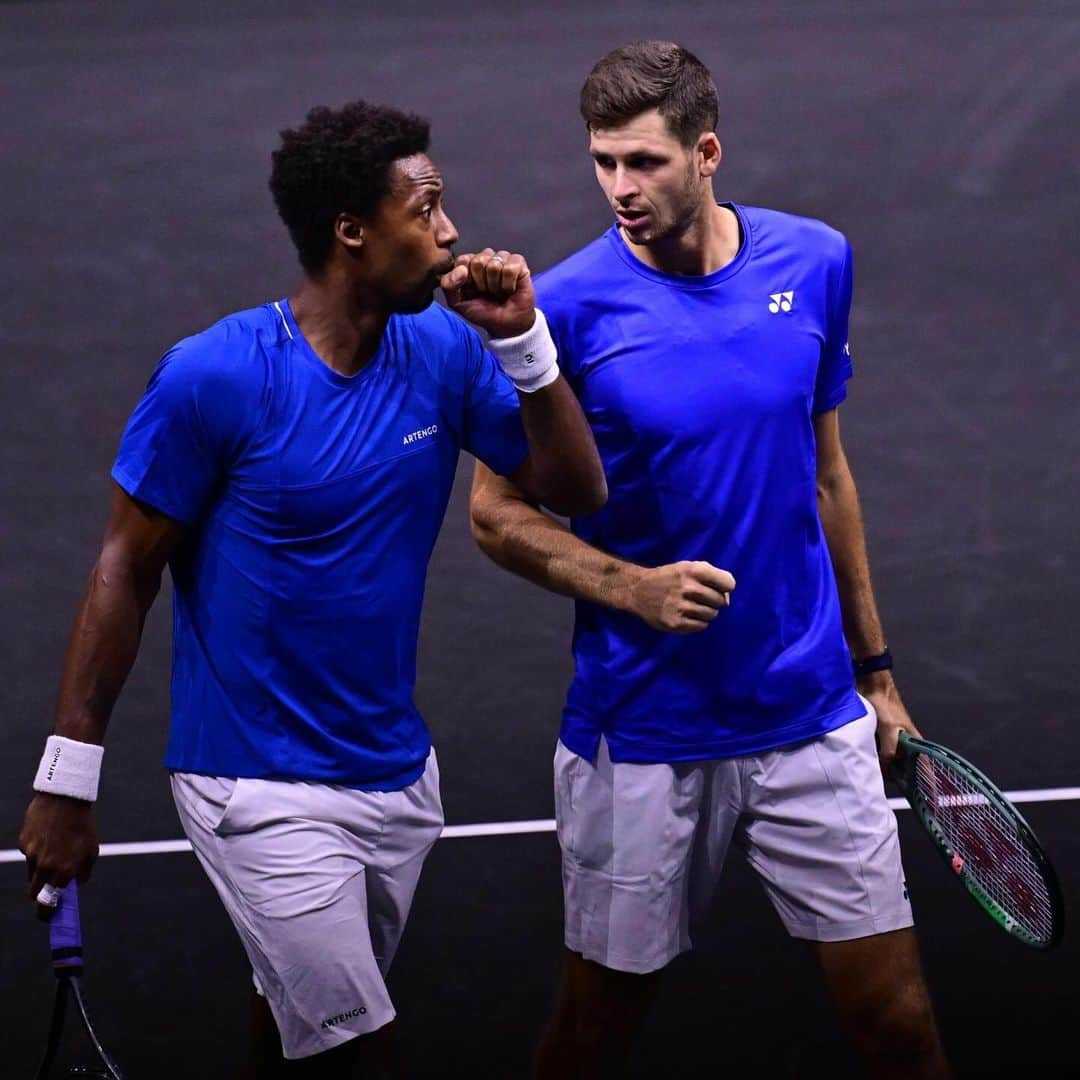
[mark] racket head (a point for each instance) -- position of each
(984, 840)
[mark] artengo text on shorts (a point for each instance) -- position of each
(416, 436)
(333, 1021)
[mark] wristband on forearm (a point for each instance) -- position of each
(530, 359)
(69, 767)
(869, 664)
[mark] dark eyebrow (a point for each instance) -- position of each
(631, 155)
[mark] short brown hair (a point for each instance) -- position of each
(651, 75)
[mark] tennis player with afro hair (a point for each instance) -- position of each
(292, 465)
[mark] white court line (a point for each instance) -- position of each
(504, 828)
(168, 847)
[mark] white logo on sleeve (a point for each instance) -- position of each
(416, 436)
(781, 301)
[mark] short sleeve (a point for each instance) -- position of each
(835, 368)
(179, 442)
(492, 428)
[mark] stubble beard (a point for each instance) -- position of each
(683, 214)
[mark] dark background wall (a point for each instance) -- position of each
(940, 137)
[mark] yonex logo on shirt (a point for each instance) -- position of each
(781, 301)
(416, 436)
(333, 1021)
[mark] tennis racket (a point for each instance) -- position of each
(984, 839)
(65, 941)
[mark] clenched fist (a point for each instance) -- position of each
(493, 290)
(682, 597)
(59, 841)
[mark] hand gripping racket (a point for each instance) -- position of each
(65, 940)
(984, 839)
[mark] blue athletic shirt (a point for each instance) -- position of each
(313, 501)
(701, 392)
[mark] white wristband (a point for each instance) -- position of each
(69, 767)
(530, 359)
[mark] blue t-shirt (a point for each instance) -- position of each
(701, 392)
(313, 501)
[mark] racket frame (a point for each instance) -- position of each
(904, 774)
(65, 936)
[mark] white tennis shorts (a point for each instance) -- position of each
(643, 845)
(318, 881)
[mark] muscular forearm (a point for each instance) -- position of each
(567, 474)
(682, 597)
(102, 648)
(528, 542)
(838, 504)
(58, 835)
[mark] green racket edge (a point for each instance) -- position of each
(902, 775)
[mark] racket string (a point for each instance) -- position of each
(989, 845)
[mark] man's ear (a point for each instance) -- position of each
(349, 231)
(708, 153)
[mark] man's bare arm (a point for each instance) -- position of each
(681, 597)
(58, 836)
(563, 470)
(494, 291)
(841, 518)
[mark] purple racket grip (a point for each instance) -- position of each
(65, 932)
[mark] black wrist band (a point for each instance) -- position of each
(869, 664)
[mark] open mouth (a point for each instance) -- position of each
(631, 219)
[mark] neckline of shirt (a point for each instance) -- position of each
(302, 344)
(691, 282)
